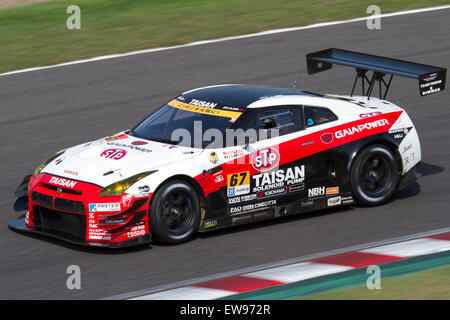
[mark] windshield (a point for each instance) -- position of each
(195, 124)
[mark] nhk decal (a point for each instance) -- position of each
(238, 183)
(265, 159)
(115, 154)
(63, 182)
(279, 178)
(360, 128)
(104, 207)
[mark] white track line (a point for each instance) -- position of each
(258, 34)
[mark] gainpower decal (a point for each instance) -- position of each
(360, 128)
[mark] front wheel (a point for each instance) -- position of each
(174, 213)
(374, 175)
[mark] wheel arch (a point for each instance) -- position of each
(191, 181)
(391, 145)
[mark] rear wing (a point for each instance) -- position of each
(431, 79)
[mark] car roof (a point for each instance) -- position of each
(241, 96)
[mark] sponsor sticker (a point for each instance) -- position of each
(334, 201)
(252, 207)
(139, 143)
(204, 107)
(114, 154)
(238, 183)
(63, 182)
(248, 197)
(316, 192)
(104, 207)
(327, 138)
(210, 223)
(265, 159)
(360, 128)
(371, 114)
(332, 190)
(213, 157)
(118, 137)
(273, 192)
(144, 189)
(282, 177)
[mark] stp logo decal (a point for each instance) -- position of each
(326, 137)
(115, 154)
(265, 159)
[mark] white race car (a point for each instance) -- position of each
(225, 155)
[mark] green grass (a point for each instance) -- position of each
(36, 35)
(428, 285)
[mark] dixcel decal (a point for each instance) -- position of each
(265, 159)
(115, 154)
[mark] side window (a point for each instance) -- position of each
(285, 119)
(318, 115)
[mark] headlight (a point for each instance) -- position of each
(46, 162)
(118, 188)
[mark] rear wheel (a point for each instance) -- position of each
(374, 175)
(174, 212)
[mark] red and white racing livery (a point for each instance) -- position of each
(220, 156)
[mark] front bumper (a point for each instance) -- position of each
(19, 225)
(77, 214)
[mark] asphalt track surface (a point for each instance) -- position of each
(47, 110)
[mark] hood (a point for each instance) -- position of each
(111, 159)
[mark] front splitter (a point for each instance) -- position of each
(19, 225)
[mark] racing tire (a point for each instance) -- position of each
(174, 213)
(374, 176)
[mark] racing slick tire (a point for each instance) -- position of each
(174, 213)
(375, 175)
